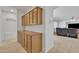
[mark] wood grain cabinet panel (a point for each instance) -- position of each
(27, 19)
(39, 15)
(29, 44)
(35, 16)
(21, 38)
(30, 41)
(26, 42)
(23, 21)
(31, 17)
(36, 43)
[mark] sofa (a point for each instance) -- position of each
(69, 32)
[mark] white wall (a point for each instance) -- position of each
(19, 21)
(49, 28)
(65, 13)
(62, 24)
(8, 25)
(1, 26)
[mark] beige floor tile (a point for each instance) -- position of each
(11, 47)
(65, 45)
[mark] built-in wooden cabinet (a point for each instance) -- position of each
(39, 16)
(34, 17)
(31, 17)
(29, 44)
(23, 20)
(31, 41)
(21, 38)
(27, 19)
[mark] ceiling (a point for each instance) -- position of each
(24, 8)
(21, 8)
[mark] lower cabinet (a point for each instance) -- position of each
(21, 37)
(37, 43)
(32, 42)
(28, 43)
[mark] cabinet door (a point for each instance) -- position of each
(26, 42)
(21, 37)
(35, 16)
(39, 15)
(27, 19)
(23, 20)
(29, 44)
(37, 43)
(31, 17)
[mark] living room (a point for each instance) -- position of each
(66, 28)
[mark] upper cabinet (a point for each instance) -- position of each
(31, 18)
(34, 17)
(23, 21)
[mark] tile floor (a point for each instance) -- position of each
(61, 45)
(11, 46)
(65, 45)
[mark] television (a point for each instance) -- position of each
(76, 25)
